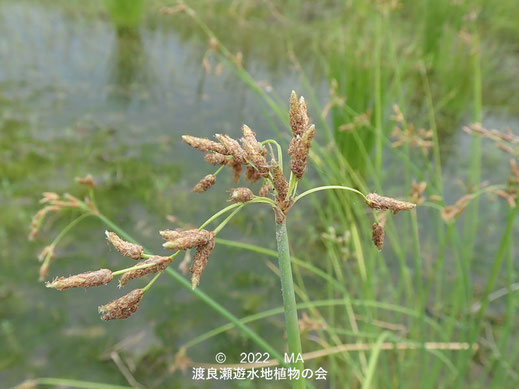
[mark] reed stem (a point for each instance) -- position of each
(289, 302)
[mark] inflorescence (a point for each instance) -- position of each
(260, 162)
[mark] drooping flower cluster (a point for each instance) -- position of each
(252, 154)
(202, 240)
(383, 203)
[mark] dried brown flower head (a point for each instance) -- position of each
(184, 265)
(300, 148)
(237, 167)
(232, 148)
(359, 121)
(452, 211)
(38, 218)
(130, 250)
(180, 8)
(157, 264)
(509, 195)
(200, 261)
(182, 362)
(417, 190)
(306, 323)
(44, 270)
(421, 138)
(241, 195)
(280, 183)
(216, 159)
(67, 201)
(204, 184)
(82, 280)
(383, 203)
(204, 144)
(252, 174)
(397, 115)
(47, 252)
(500, 137)
(88, 180)
(298, 115)
(49, 197)
(265, 189)
(123, 307)
(378, 235)
(185, 239)
(254, 152)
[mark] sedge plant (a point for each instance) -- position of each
(261, 163)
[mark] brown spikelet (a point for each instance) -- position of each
(82, 280)
(450, 212)
(88, 180)
(130, 250)
(298, 115)
(200, 262)
(37, 219)
(233, 148)
(265, 189)
(184, 265)
(154, 265)
(378, 235)
(44, 270)
(241, 195)
(509, 195)
(204, 144)
(49, 197)
(185, 239)
(300, 147)
(417, 190)
(182, 362)
(216, 159)
(237, 167)
(47, 252)
(204, 184)
(280, 183)
(123, 307)
(249, 137)
(383, 203)
(254, 151)
(252, 174)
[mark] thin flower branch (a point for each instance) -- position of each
(328, 187)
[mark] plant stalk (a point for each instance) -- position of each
(289, 302)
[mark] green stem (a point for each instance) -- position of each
(289, 301)
(69, 226)
(148, 286)
(227, 219)
(280, 152)
(327, 187)
(218, 170)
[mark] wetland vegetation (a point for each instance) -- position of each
(404, 95)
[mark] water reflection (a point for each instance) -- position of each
(128, 72)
